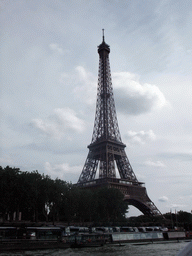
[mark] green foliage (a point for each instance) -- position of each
(180, 219)
(184, 217)
(111, 206)
(39, 198)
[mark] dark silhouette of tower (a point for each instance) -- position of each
(106, 151)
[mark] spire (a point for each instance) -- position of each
(103, 36)
(103, 45)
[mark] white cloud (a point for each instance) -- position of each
(86, 90)
(140, 137)
(155, 164)
(163, 199)
(62, 171)
(63, 120)
(181, 206)
(131, 97)
(57, 48)
(134, 98)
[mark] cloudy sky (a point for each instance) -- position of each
(49, 77)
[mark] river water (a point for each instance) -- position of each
(155, 249)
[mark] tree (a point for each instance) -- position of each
(185, 219)
(87, 205)
(39, 197)
(9, 192)
(111, 205)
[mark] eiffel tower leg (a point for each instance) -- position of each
(89, 170)
(125, 169)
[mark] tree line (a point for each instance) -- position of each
(31, 196)
(174, 221)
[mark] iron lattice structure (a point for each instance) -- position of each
(106, 151)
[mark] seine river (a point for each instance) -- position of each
(155, 249)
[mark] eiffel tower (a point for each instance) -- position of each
(106, 151)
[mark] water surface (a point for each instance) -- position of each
(155, 249)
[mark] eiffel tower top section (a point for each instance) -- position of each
(106, 125)
(103, 45)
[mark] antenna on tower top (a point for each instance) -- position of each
(103, 35)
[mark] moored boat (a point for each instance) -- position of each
(49, 237)
(89, 240)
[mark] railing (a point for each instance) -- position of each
(111, 180)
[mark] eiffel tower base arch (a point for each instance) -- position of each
(134, 194)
